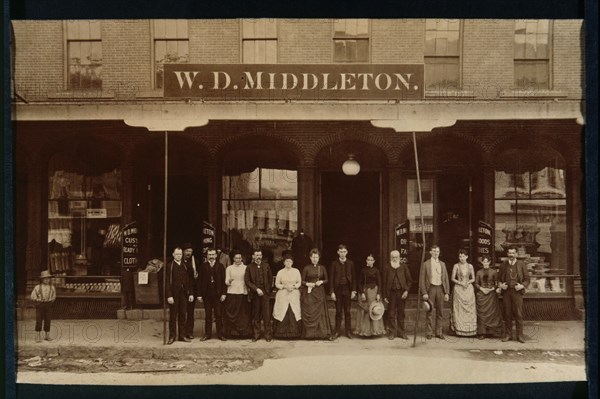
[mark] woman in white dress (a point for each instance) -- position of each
(236, 314)
(286, 310)
(464, 314)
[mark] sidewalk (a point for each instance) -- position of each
(144, 337)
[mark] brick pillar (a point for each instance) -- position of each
(397, 207)
(37, 229)
(306, 200)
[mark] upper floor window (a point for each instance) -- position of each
(351, 40)
(442, 54)
(259, 41)
(532, 54)
(171, 45)
(84, 55)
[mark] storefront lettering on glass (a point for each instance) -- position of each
(130, 245)
(294, 82)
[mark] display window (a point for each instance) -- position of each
(260, 210)
(84, 216)
(531, 213)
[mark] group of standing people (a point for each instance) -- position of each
(476, 307)
(237, 297)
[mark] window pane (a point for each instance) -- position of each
(96, 77)
(453, 44)
(430, 36)
(171, 28)
(95, 30)
(362, 51)
(454, 25)
(260, 48)
(350, 50)
(532, 74)
(160, 50)
(271, 52)
(339, 27)
(160, 31)
(259, 28)
(542, 46)
(520, 46)
(86, 52)
(182, 28)
(441, 46)
(351, 27)
(74, 77)
(271, 28)
(362, 27)
(530, 45)
(84, 30)
(247, 28)
(96, 57)
(248, 52)
(244, 186)
(339, 54)
(531, 27)
(520, 27)
(72, 30)
(543, 26)
(74, 52)
(172, 55)
(183, 51)
(279, 183)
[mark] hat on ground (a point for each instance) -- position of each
(45, 274)
(376, 311)
(427, 306)
(186, 245)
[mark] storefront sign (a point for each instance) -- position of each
(314, 82)
(485, 242)
(208, 237)
(402, 232)
(99, 213)
(129, 252)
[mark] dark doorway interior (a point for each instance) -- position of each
(187, 209)
(350, 214)
(453, 217)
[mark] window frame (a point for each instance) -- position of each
(66, 60)
(266, 38)
(367, 37)
(460, 56)
(154, 39)
(549, 59)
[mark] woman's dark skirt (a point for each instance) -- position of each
(288, 328)
(236, 316)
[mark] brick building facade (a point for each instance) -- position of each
(490, 148)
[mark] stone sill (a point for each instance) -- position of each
(81, 95)
(543, 94)
(443, 94)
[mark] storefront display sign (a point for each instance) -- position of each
(316, 82)
(485, 242)
(208, 237)
(130, 245)
(402, 232)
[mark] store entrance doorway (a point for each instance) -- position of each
(351, 214)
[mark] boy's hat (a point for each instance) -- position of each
(45, 274)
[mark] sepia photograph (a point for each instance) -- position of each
(293, 201)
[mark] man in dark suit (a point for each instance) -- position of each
(259, 280)
(513, 280)
(396, 284)
(435, 288)
(211, 289)
(343, 288)
(179, 293)
(190, 264)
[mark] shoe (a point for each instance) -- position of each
(222, 338)
(481, 337)
(429, 336)
(47, 337)
(506, 338)
(403, 336)
(189, 336)
(184, 339)
(348, 335)
(205, 338)
(269, 339)
(335, 336)
(391, 337)
(254, 339)
(440, 336)
(521, 339)
(38, 337)
(170, 341)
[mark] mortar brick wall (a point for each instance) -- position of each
(396, 41)
(487, 57)
(39, 58)
(305, 41)
(126, 57)
(215, 41)
(568, 59)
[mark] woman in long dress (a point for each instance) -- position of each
(313, 302)
(236, 310)
(369, 287)
(489, 315)
(464, 314)
(286, 310)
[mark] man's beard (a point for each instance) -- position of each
(395, 264)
